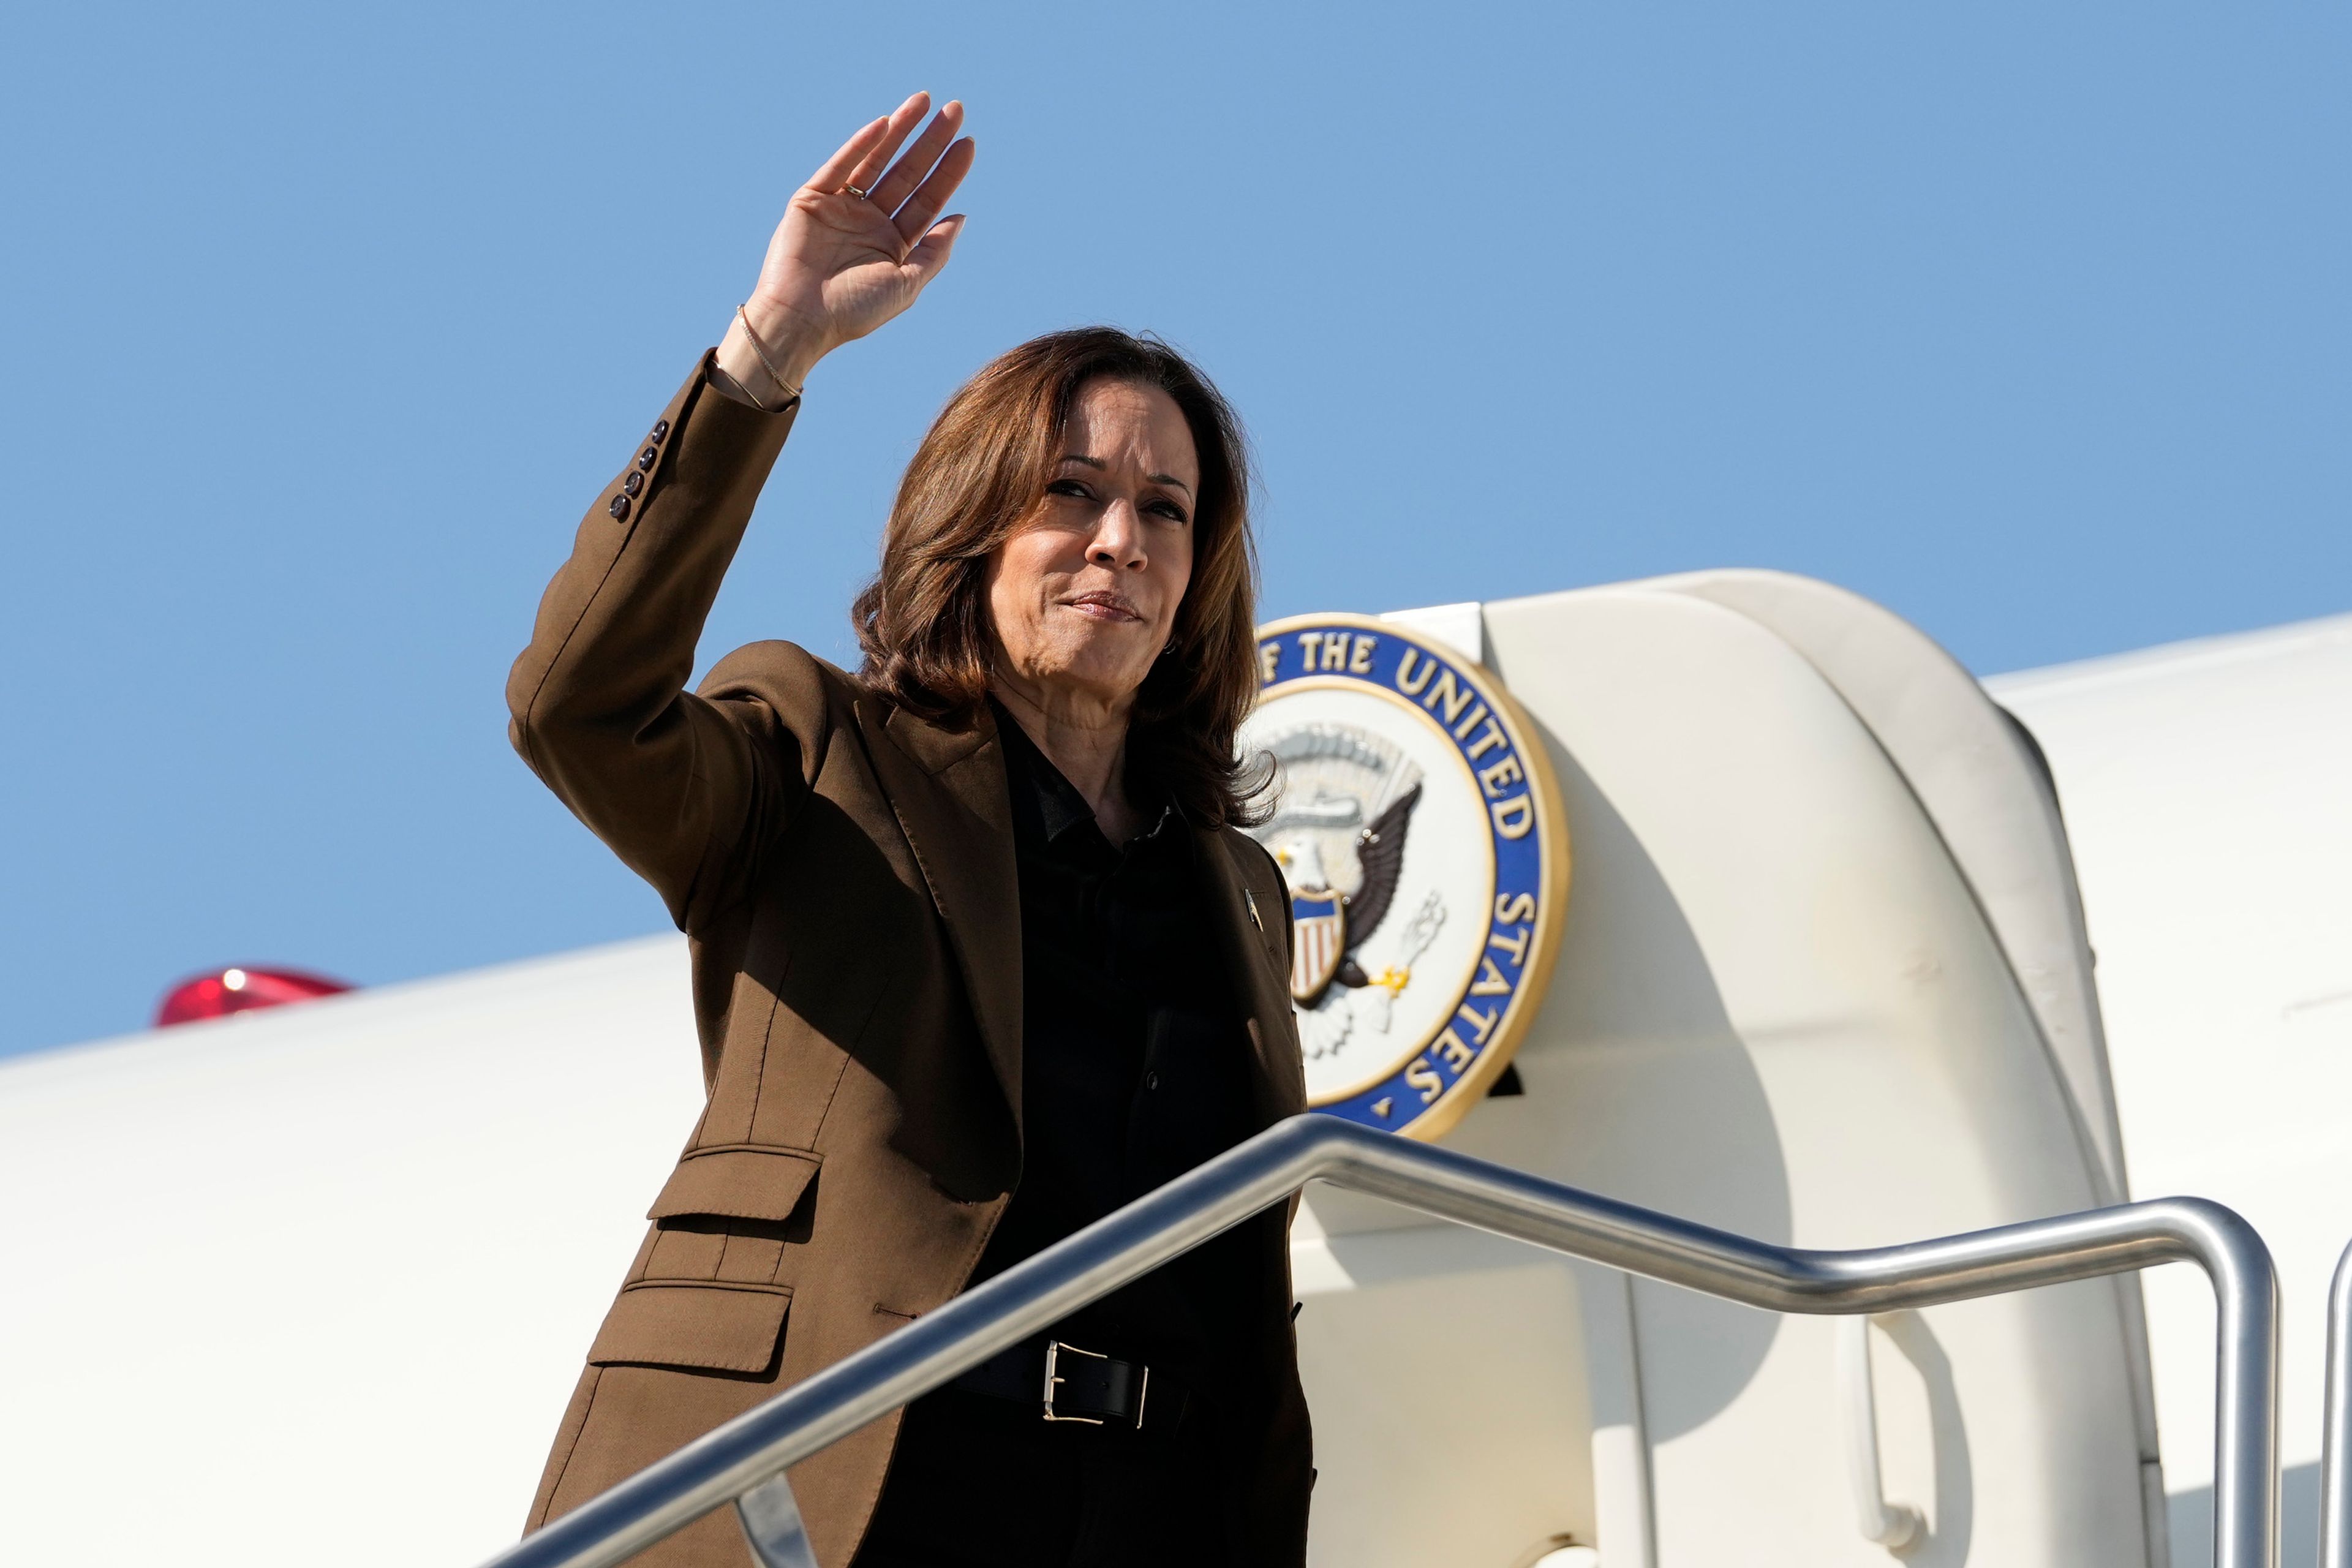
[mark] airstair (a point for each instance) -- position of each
(745, 1460)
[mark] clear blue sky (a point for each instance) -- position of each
(321, 326)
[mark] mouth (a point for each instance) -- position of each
(1101, 604)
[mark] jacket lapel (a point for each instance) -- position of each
(1254, 954)
(948, 791)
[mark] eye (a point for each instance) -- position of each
(1169, 510)
(1075, 487)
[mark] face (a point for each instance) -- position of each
(1083, 594)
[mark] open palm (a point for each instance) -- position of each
(843, 263)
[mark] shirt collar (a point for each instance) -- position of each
(1043, 799)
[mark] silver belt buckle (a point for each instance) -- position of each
(1053, 1349)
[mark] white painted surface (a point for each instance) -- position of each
(2208, 788)
(1461, 628)
(1779, 1010)
(1454, 1409)
(1977, 779)
(312, 1285)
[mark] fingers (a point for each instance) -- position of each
(892, 188)
(835, 170)
(935, 192)
(932, 253)
(903, 118)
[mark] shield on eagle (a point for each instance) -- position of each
(1320, 941)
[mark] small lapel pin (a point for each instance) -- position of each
(1251, 899)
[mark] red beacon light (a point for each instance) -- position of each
(221, 992)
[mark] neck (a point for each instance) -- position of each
(1085, 738)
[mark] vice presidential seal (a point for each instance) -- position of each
(1417, 824)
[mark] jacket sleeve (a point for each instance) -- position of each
(685, 788)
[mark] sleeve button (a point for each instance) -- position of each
(619, 507)
(647, 458)
(661, 428)
(632, 481)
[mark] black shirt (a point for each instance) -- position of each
(1134, 1061)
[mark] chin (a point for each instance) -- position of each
(1100, 650)
(1112, 671)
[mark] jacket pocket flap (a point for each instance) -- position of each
(738, 1184)
(726, 1328)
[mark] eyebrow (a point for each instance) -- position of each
(1100, 467)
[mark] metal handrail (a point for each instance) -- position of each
(757, 1446)
(2336, 1423)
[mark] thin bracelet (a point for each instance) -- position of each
(767, 364)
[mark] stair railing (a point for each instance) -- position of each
(2336, 1423)
(744, 1460)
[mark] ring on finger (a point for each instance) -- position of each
(853, 191)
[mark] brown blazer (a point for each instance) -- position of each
(844, 873)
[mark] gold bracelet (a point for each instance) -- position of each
(767, 364)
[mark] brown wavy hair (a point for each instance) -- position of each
(983, 467)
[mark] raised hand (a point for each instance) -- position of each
(857, 243)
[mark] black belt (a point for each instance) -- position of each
(1063, 1381)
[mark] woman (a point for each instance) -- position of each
(979, 951)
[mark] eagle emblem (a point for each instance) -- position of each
(1348, 797)
(1331, 924)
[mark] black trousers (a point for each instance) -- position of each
(985, 1483)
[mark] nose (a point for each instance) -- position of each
(1118, 543)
